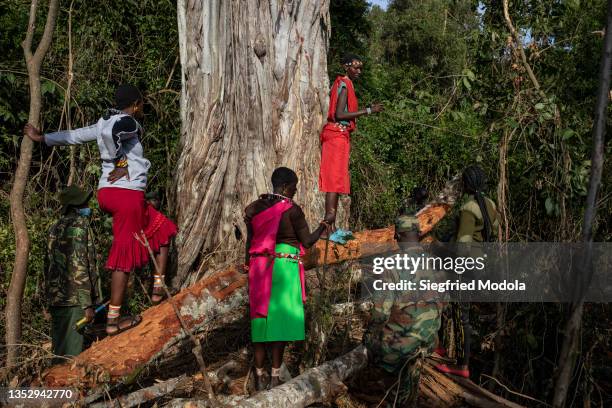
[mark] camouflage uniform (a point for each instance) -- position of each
(400, 334)
(71, 280)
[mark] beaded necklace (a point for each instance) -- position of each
(279, 196)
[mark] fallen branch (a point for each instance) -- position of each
(161, 389)
(438, 390)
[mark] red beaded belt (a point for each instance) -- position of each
(338, 126)
(278, 255)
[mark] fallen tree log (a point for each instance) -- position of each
(318, 384)
(323, 384)
(213, 301)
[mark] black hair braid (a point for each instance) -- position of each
(475, 182)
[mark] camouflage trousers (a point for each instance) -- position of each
(66, 341)
(399, 337)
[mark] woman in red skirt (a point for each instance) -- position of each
(121, 194)
(336, 135)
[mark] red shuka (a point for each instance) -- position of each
(335, 143)
(132, 214)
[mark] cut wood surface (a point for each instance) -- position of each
(215, 300)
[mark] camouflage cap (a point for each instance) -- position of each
(73, 196)
(407, 223)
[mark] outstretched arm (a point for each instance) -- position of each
(341, 108)
(307, 238)
(64, 137)
(302, 232)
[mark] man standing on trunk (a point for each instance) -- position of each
(336, 134)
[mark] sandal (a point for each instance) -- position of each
(261, 382)
(158, 290)
(330, 228)
(118, 321)
(275, 381)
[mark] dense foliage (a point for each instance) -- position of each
(456, 93)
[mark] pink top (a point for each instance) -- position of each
(265, 227)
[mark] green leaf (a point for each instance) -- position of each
(466, 83)
(470, 75)
(567, 133)
(539, 106)
(512, 123)
(47, 87)
(549, 205)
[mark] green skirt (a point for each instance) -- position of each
(285, 320)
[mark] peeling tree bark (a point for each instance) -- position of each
(316, 385)
(254, 90)
(14, 295)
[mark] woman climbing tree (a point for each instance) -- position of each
(121, 194)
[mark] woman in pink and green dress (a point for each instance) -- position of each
(277, 234)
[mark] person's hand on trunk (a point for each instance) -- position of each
(33, 133)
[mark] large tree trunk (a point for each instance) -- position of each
(254, 93)
(34, 61)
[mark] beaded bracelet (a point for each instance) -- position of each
(123, 163)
